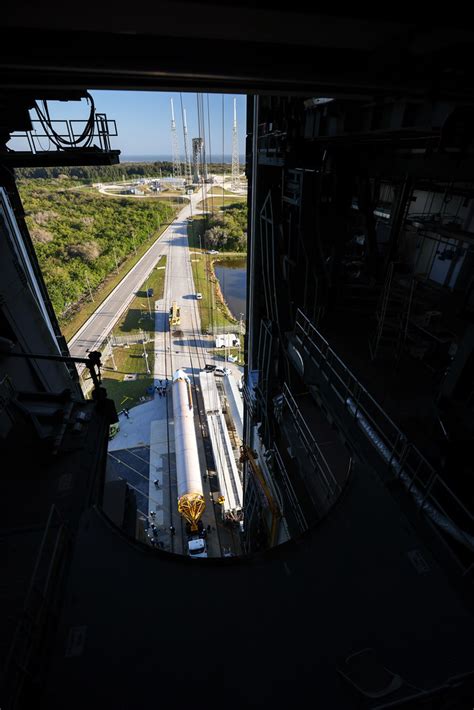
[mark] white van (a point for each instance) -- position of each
(227, 340)
(197, 547)
(222, 371)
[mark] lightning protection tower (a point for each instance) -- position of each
(188, 172)
(175, 148)
(197, 147)
(235, 153)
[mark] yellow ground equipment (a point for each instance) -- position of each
(175, 314)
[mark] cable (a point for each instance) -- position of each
(187, 169)
(88, 132)
(59, 141)
(209, 129)
(223, 168)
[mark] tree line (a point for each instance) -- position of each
(227, 229)
(81, 237)
(109, 173)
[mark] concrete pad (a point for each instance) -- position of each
(134, 431)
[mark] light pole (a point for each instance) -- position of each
(240, 333)
(112, 353)
(90, 290)
(145, 355)
(148, 299)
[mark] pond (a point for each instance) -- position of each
(232, 277)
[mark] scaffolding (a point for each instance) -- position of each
(393, 315)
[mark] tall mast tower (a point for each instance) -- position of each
(188, 172)
(235, 153)
(197, 162)
(174, 145)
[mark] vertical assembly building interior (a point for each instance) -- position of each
(356, 587)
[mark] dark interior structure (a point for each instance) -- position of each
(356, 586)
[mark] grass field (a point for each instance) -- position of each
(212, 308)
(215, 202)
(101, 293)
(216, 190)
(137, 316)
(130, 360)
(222, 353)
(196, 228)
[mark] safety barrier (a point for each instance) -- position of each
(431, 493)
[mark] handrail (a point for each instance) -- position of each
(310, 444)
(349, 385)
(402, 457)
(293, 498)
(71, 129)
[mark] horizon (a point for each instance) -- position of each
(143, 120)
(162, 157)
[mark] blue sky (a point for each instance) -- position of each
(144, 118)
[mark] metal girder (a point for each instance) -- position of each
(59, 158)
(127, 60)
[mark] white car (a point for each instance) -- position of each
(198, 296)
(232, 358)
(222, 371)
(212, 251)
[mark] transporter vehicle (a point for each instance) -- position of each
(227, 340)
(175, 314)
(191, 503)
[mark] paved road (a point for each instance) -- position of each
(93, 332)
(181, 347)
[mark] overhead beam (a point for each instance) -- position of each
(79, 60)
(59, 158)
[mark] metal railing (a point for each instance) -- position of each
(401, 457)
(70, 130)
(292, 497)
(326, 476)
(249, 399)
(133, 339)
(346, 386)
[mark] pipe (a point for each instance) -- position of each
(438, 518)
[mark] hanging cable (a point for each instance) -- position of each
(187, 170)
(209, 129)
(203, 134)
(200, 150)
(59, 141)
(223, 168)
(209, 268)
